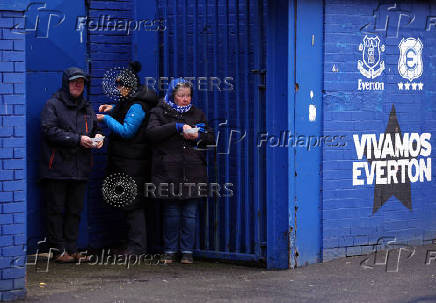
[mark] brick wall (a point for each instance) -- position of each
(106, 49)
(350, 224)
(13, 159)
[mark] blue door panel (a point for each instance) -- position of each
(280, 118)
(308, 123)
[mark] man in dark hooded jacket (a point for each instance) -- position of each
(69, 132)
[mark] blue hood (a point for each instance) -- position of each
(173, 84)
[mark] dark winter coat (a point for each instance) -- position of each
(175, 159)
(64, 120)
(132, 156)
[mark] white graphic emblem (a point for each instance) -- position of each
(410, 64)
(372, 66)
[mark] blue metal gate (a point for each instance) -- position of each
(221, 44)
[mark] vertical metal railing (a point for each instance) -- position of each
(227, 40)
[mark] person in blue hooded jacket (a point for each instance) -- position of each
(180, 135)
(129, 151)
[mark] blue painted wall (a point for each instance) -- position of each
(351, 224)
(145, 47)
(13, 158)
(17, 5)
(52, 45)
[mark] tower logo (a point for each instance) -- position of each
(372, 66)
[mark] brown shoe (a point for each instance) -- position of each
(81, 258)
(65, 258)
(187, 259)
(168, 258)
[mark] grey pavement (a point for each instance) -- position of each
(352, 279)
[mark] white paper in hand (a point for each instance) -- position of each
(95, 141)
(191, 130)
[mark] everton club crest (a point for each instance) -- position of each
(410, 64)
(371, 66)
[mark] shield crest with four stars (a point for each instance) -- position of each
(410, 64)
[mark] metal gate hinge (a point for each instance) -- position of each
(262, 73)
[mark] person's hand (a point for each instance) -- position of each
(99, 144)
(86, 142)
(186, 127)
(100, 117)
(195, 135)
(190, 136)
(105, 108)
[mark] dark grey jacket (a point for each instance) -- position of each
(63, 121)
(175, 159)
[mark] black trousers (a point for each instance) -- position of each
(137, 238)
(135, 218)
(64, 203)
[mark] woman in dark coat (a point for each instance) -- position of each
(180, 134)
(129, 152)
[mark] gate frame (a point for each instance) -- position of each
(294, 189)
(279, 117)
(309, 74)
